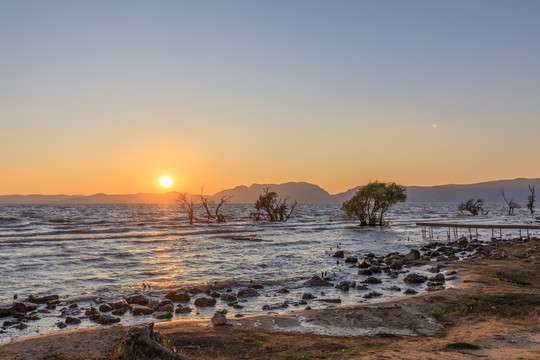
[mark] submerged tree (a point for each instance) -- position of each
(371, 202)
(213, 213)
(531, 199)
(274, 207)
(473, 206)
(511, 204)
(187, 205)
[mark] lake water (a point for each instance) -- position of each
(94, 253)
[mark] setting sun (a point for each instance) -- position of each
(165, 181)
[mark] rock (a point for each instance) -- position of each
(343, 286)
(166, 308)
(24, 306)
(366, 272)
(50, 307)
(164, 302)
(21, 326)
(332, 301)
(361, 287)
(7, 311)
(307, 296)
(283, 291)
(438, 278)
(73, 306)
(219, 319)
(61, 324)
(105, 319)
(91, 311)
(372, 294)
(163, 315)
(339, 254)
(153, 304)
(183, 310)
(396, 264)
(372, 280)
(195, 291)
(141, 310)
(317, 281)
(205, 302)
(256, 286)
(412, 255)
(10, 323)
(119, 312)
(364, 264)
(120, 304)
(375, 269)
(178, 296)
(462, 241)
(351, 259)
(70, 320)
(434, 269)
(41, 299)
(228, 297)
(275, 306)
(213, 294)
(247, 292)
(415, 279)
(435, 287)
(105, 308)
(139, 299)
(410, 292)
(394, 288)
(44, 311)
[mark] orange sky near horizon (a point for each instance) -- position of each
(241, 92)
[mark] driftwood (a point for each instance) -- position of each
(143, 340)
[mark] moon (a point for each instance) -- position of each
(165, 182)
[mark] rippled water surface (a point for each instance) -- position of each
(89, 251)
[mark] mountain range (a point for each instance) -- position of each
(302, 192)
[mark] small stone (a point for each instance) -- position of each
(317, 281)
(141, 310)
(195, 291)
(256, 286)
(283, 291)
(372, 280)
(410, 292)
(228, 297)
(105, 308)
(438, 278)
(166, 308)
(351, 259)
(119, 312)
(91, 311)
(139, 299)
(396, 264)
(364, 264)
(183, 310)
(361, 287)
(343, 286)
(372, 294)
(415, 279)
(394, 288)
(307, 295)
(61, 325)
(106, 319)
(366, 272)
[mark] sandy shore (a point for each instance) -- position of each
(410, 327)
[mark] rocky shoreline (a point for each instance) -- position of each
(434, 257)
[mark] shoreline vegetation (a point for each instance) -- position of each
(492, 311)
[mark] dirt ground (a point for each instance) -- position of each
(496, 306)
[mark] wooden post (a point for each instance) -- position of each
(470, 234)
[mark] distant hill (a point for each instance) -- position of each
(303, 192)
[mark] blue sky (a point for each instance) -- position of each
(235, 92)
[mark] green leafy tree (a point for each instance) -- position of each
(274, 208)
(371, 202)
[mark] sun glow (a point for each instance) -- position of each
(165, 182)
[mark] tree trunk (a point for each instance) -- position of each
(143, 340)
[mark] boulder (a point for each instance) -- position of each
(366, 272)
(339, 254)
(138, 299)
(307, 296)
(7, 311)
(183, 310)
(372, 294)
(415, 279)
(394, 288)
(119, 312)
(166, 308)
(278, 306)
(41, 299)
(105, 308)
(178, 296)
(343, 286)
(71, 320)
(247, 292)
(195, 291)
(24, 306)
(372, 280)
(61, 325)
(331, 301)
(91, 311)
(396, 264)
(438, 278)
(141, 310)
(364, 264)
(410, 292)
(228, 297)
(163, 315)
(119, 304)
(351, 259)
(219, 319)
(375, 269)
(412, 255)
(204, 302)
(105, 319)
(317, 281)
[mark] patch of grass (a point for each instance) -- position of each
(513, 305)
(461, 345)
(435, 314)
(299, 356)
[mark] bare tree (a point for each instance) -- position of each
(531, 199)
(473, 206)
(511, 204)
(214, 214)
(187, 205)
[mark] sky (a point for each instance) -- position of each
(110, 95)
